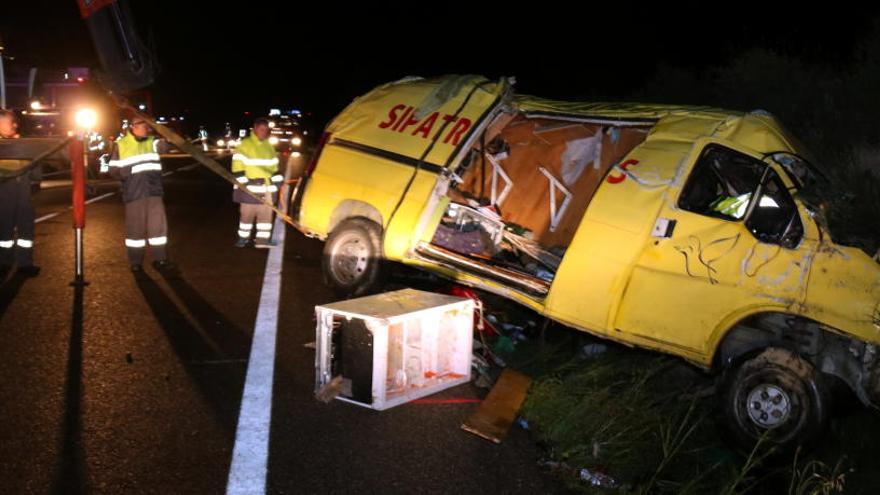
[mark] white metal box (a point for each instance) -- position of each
(395, 347)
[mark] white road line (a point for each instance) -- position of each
(53, 215)
(99, 198)
(47, 217)
(250, 456)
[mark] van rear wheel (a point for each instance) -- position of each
(776, 395)
(352, 260)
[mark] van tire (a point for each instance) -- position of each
(352, 262)
(777, 393)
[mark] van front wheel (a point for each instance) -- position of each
(776, 395)
(352, 260)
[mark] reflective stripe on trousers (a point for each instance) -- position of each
(145, 224)
(244, 230)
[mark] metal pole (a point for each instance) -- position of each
(77, 175)
(78, 234)
(2, 80)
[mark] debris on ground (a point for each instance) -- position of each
(498, 410)
(419, 341)
(330, 390)
(594, 350)
(590, 477)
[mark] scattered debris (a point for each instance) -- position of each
(330, 390)
(496, 414)
(594, 478)
(392, 348)
(591, 351)
(591, 477)
(483, 381)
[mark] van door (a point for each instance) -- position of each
(384, 152)
(441, 127)
(731, 241)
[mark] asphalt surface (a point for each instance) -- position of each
(133, 385)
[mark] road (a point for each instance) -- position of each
(134, 385)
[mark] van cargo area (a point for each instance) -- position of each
(519, 195)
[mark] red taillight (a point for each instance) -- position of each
(318, 149)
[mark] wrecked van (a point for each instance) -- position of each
(677, 229)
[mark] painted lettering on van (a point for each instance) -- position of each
(401, 118)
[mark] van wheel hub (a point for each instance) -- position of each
(768, 405)
(350, 258)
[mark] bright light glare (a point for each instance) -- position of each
(86, 118)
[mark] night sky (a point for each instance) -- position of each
(218, 58)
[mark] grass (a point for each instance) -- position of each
(649, 422)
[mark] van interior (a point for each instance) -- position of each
(520, 194)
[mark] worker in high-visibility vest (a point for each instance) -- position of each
(16, 209)
(732, 206)
(255, 166)
(135, 160)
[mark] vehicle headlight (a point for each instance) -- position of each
(273, 140)
(221, 143)
(296, 141)
(86, 118)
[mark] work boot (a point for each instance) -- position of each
(241, 242)
(28, 271)
(265, 245)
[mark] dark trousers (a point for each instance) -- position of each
(145, 225)
(16, 222)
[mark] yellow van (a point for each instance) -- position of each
(672, 228)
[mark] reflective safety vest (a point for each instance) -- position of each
(255, 166)
(732, 206)
(139, 167)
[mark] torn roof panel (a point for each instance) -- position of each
(634, 113)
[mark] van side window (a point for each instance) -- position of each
(775, 218)
(721, 184)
